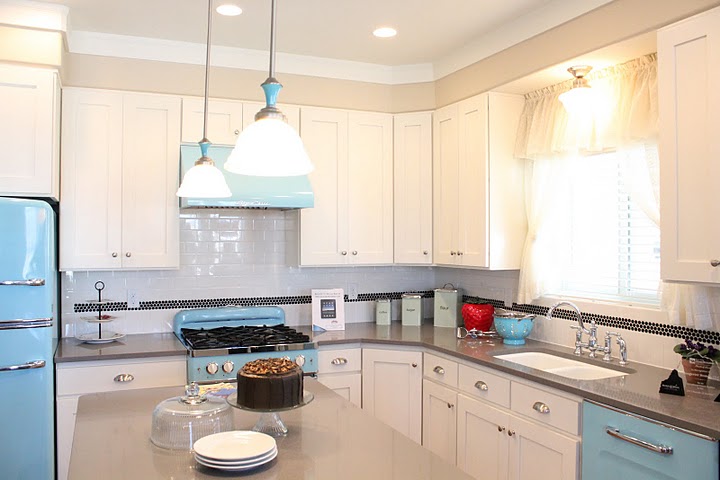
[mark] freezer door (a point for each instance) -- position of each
(27, 436)
(27, 260)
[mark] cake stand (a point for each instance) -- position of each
(270, 422)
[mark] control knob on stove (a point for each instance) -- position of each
(228, 366)
(212, 368)
(300, 360)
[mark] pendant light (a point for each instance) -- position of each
(580, 97)
(204, 179)
(270, 147)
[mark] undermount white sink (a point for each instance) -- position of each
(562, 366)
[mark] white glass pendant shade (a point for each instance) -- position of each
(204, 181)
(269, 147)
(578, 100)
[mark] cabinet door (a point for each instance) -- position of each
(689, 103)
(28, 163)
(225, 119)
(151, 153)
(412, 164)
(347, 385)
(369, 217)
(445, 185)
(538, 453)
(322, 242)
(472, 243)
(90, 211)
(482, 440)
(392, 389)
(439, 420)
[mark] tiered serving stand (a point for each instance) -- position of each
(99, 335)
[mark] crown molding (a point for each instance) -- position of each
(36, 15)
(142, 48)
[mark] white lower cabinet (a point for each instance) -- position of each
(498, 428)
(340, 371)
(79, 378)
(392, 388)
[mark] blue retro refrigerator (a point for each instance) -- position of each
(28, 294)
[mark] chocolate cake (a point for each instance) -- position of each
(270, 383)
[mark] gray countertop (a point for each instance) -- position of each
(327, 439)
(637, 393)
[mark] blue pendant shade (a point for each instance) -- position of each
(270, 147)
(205, 180)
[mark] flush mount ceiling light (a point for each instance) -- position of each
(270, 147)
(229, 10)
(204, 179)
(385, 32)
(579, 97)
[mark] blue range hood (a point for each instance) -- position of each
(282, 193)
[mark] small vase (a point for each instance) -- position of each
(696, 370)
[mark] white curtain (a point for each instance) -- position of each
(623, 119)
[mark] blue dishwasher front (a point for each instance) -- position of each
(618, 445)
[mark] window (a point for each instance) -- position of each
(606, 246)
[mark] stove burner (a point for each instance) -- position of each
(243, 336)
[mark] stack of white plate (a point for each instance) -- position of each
(235, 451)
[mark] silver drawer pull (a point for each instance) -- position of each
(540, 407)
(339, 361)
(439, 370)
(480, 385)
(663, 449)
(33, 282)
(124, 377)
(715, 263)
(24, 366)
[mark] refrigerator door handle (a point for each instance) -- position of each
(26, 323)
(33, 282)
(24, 366)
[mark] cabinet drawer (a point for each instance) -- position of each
(441, 370)
(339, 360)
(561, 412)
(482, 384)
(91, 377)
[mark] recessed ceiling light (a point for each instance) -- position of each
(385, 32)
(229, 10)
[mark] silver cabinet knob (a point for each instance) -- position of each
(114, 254)
(300, 360)
(511, 433)
(343, 252)
(354, 252)
(460, 253)
(425, 252)
(439, 370)
(237, 132)
(414, 365)
(128, 254)
(212, 368)
(228, 366)
(480, 385)
(450, 405)
(540, 407)
(452, 253)
(715, 263)
(339, 361)
(124, 378)
(501, 428)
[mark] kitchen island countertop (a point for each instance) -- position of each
(327, 439)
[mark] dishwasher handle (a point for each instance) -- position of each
(662, 449)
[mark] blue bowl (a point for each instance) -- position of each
(514, 327)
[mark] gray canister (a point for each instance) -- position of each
(383, 311)
(412, 311)
(448, 302)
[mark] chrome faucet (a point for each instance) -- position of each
(608, 347)
(591, 344)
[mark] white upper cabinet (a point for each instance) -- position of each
(412, 163)
(352, 221)
(29, 131)
(478, 205)
(689, 101)
(120, 167)
(225, 120)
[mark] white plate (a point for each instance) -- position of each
(237, 445)
(107, 337)
(237, 468)
(238, 463)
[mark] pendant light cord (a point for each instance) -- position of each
(272, 39)
(207, 69)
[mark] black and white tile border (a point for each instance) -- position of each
(666, 330)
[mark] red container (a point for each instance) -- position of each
(478, 316)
